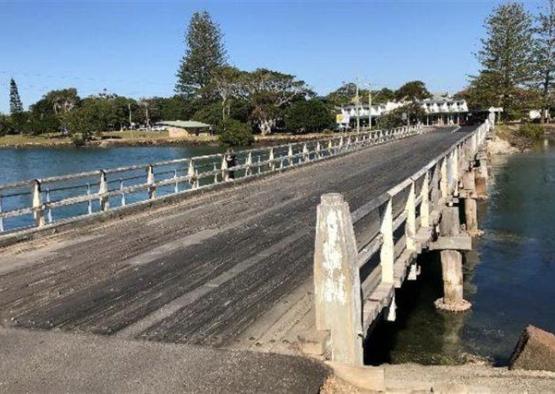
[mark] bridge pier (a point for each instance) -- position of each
(481, 175)
(450, 243)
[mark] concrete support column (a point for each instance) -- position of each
(337, 292)
(451, 265)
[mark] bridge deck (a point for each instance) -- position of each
(230, 268)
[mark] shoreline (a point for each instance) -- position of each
(65, 142)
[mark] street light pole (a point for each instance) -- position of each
(357, 103)
(369, 108)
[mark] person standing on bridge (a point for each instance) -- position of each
(231, 161)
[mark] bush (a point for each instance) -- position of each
(235, 133)
(530, 130)
(308, 116)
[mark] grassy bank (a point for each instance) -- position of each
(523, 136)
(133, 137)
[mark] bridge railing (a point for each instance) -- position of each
(43, 202)
(360, 257)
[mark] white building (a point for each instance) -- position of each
(439, 110)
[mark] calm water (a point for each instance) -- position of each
(509, 278)
(31, 163)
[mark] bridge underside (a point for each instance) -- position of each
(228, 269)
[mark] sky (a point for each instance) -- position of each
(133, 48)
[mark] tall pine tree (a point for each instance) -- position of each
(16, 106)
(506, 54)
(544, 51)
(205, 53)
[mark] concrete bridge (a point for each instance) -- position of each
(237, 264)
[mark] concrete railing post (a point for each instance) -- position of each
(191, 173)
(150, 182)
(425, 203)
(443, 180)
(318, 150)
(336, 280)
(387, 251)
(225, 171)
(38, 211)
(290, 155)
(271, 159)
(102, 190)
(248, 164)
(306, 154)
(410, 225)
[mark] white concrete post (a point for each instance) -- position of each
(150, 181)
(271, 159)
(336, 280)
(103, 189)
(425, 204)
(290, 155)
(215, 173)
(318, 149)
(330, 147)
(306, 155)
(191, 173)
(197, 180)
(444, 180)
(387, 252)
(38, 212)
(248, 164)
(225, 172)
(410, 225)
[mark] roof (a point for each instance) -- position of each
(184, 124)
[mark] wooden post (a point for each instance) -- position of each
(102, 190)
(38, 212)
(410, 225)
(150, 182)
(337, 290)
(387, 252)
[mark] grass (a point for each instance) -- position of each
(48, 139)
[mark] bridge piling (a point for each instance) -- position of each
(336, 280)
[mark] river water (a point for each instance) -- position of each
(509, 277)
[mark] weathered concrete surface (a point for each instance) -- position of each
(47, 362)
(535, 350)
(412, 378)
(229, 269)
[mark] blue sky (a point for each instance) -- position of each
(133, 48)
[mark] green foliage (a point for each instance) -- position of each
(505, 56)
(531, 131)
(235, 133)
(308, 116)
(544, 55)
(84, 122)
(344, 95)
(5, 125)
(412, 91)
(16, 105)
(205, 53)
(210, 114)
(408, 114)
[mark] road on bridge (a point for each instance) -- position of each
(229, 268)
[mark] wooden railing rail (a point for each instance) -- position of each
(355, 281)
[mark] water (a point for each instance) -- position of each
(31, 163)
(509, 277)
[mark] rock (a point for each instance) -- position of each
(535, 350)
(498, 146)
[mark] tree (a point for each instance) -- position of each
(236, 133)
(382, 96)
(63, 100)
(205, 53)
(411, 113)
(505, 56)
(344, 95)
(544, 56)
(412, 91)
(269, 92)
(228, 82)
(16, 105)
(308, 116)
